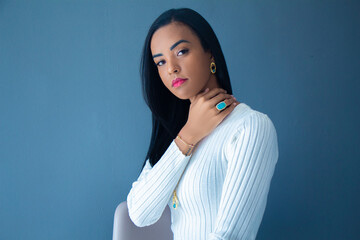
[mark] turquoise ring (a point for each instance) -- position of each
(221, 105)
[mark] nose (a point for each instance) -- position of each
(173, 67)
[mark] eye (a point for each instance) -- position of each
(182, 52)
(160, 63)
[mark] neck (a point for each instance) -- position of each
(211, 84)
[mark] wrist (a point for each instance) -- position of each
(186, 135)
(189, 147)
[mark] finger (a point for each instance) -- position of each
(224, 113)
(205, 91)
(213, 92)
(219, 98)
(201, 94)
(228, 103)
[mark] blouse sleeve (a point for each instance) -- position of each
(252, 155)
(151, 192)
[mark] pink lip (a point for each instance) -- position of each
(178, 81)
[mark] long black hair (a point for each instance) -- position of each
(169, 113)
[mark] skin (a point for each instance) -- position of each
(178, 53)
(187, 60)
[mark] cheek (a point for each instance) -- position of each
(202, 64)
(163, 78)
(202, 69)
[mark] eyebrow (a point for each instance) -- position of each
(177, 43)
(157, 55)
(172, 47)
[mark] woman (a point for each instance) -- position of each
(211, 158)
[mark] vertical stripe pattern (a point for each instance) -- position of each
(223, 190)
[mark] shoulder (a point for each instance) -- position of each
(248, 126)
(244, 116)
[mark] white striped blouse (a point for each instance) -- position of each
(223, 186)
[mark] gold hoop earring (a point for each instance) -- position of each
(213, 67)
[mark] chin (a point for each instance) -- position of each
(182, 96)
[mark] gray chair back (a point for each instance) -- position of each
(125, 229)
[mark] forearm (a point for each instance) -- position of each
(150, 194)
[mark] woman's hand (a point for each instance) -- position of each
(203, 115)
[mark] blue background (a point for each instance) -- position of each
(74, 129)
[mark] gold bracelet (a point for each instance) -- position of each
(191, 146)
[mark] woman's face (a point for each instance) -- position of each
(179, 56)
